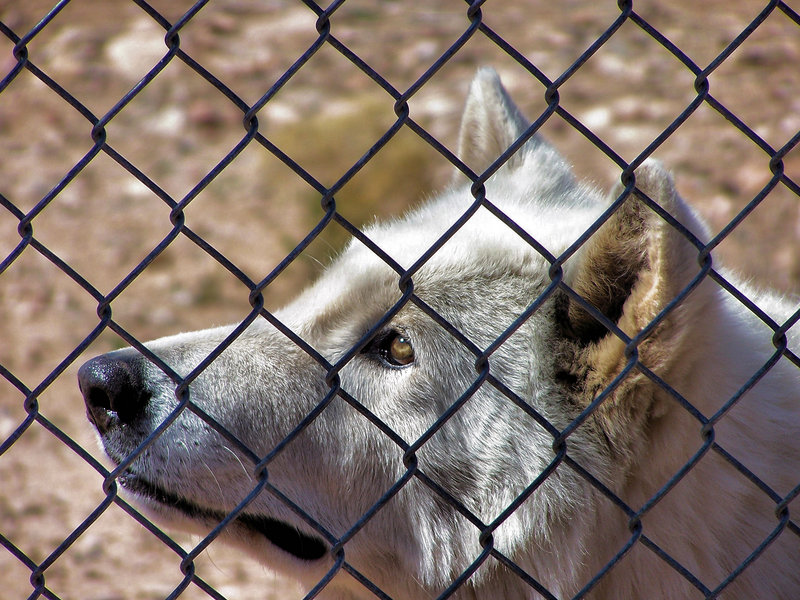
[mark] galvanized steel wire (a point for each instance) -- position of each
(473, 25)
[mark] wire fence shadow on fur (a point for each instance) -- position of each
(475, 24)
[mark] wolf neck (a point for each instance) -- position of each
(674, 438)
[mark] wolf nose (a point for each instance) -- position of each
(113, 390)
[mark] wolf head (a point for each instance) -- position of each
(449, 396)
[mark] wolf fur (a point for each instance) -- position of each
(602, 492)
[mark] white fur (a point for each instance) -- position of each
(489, 451)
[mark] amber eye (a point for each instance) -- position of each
(392, 349)
(399, 351)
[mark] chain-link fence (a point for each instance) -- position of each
(166, 167)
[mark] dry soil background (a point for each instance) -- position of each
(104, 222)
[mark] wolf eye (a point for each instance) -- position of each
(399, 351)
(393, 348)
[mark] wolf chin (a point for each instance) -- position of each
(521, 489)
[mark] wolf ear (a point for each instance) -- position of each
(490, 124)
(630, 269)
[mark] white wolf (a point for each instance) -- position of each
(493, 480)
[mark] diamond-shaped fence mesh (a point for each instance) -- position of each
(168, 166)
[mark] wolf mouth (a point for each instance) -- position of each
(279, 533)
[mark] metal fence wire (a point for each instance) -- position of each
(40, 53)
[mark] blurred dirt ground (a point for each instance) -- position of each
(179, 128)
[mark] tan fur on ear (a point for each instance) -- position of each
(671, 259)
(631, 269)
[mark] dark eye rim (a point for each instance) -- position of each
(379, 349)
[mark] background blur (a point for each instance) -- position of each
(176, 130)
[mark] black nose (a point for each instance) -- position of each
(113, 389)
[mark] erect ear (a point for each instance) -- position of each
(630, 270)
(490, 124)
